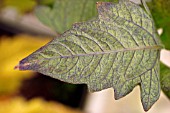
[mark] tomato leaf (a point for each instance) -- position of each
(119, 49)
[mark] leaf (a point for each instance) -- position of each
(66, 12)
(165, 79)
(160, 10)
(119, 49)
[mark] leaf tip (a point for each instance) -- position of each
(146, 108)
(23, 66)
(148, 104)
(116, 95)
(16, 67)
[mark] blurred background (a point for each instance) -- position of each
(26, 25)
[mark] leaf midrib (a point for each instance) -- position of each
(156, 47)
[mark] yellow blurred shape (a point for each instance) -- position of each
(22, 6)
(19, 105)
(12, 50)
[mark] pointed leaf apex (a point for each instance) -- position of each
(24, 66)
(16, 67)
(146, 107)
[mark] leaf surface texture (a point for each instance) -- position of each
(119, 49)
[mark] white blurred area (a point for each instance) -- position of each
(27, 23)
(104, 102)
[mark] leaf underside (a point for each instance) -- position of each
(119, 49)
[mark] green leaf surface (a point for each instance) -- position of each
(165, 79)
(66, 12)
(160, 10)
(119, 49)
